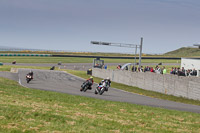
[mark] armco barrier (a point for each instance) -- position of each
(188, 87)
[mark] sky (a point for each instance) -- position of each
(71, 25)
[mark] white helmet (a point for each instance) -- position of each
(108, 78)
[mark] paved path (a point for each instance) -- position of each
(66, 83)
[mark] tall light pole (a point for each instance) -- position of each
(140, 56)
(123, 45)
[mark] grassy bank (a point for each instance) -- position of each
(184, 52)
(29, 110)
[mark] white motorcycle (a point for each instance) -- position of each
(101, 88)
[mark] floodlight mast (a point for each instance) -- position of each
(123, 45)
(115, 44)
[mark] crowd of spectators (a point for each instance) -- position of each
(163, 70)
(157, 69)
(183, 72)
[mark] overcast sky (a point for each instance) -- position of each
(70, 25)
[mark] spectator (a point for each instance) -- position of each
(174, 71)
(183, 71)
(157, 69)
(140, 69)
(119, 66)
(126, 68)
(151, 69)
(133, 69)
(193, 72)
(105, 67)
(164, 70)
(180, 72)
(188, 72)
(147, 68)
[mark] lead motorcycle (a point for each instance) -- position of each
(86, 86)
(28, 78)
(101, 88)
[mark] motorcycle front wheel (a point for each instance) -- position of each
(102, 91)
(85, 88)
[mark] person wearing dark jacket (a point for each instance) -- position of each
(90, 82)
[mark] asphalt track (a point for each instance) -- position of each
(66, 83)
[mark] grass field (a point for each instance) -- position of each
(76, 60)
(28, 110)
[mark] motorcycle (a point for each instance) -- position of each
(101, 88)
(28, 78)
(86, 86)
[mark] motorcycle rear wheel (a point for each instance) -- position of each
(95, 92)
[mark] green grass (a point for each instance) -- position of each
(138, 90)
(28, 110)
(77, 60)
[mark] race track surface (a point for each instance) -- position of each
(66, 83)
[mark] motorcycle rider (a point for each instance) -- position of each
(31, 74)
(104, 80)
(90, 82)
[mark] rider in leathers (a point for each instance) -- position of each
(31, 74)
(104, 80)
(90, 82)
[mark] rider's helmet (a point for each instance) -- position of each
(108, 78)
(91, 77)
